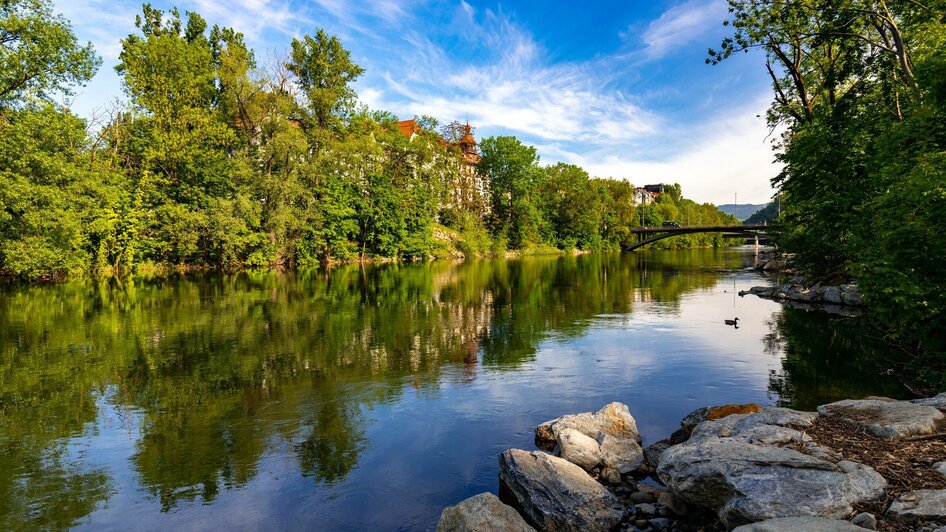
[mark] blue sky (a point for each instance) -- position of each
(619, 88)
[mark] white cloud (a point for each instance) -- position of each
(681, 25)
(727, 155)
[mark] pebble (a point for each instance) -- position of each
(641, 523)
(642, 497)
(646, 509)
(610, 476)
(865, 520)
(660, 523)
(673, 503)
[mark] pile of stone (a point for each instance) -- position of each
(845, 294)
(741, 467)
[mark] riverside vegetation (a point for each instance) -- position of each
(860, 104)
(218, 160)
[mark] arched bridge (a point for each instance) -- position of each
(661, 233)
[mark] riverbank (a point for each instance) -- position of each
(874, 463)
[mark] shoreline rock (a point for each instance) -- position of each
(843, 295)
(758, 469)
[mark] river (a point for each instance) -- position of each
(368, 398)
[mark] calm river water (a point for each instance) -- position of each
(370, 398)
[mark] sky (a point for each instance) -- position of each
(619, 88)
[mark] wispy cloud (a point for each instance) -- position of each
(680, 25)
(516, 90)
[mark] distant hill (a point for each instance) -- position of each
(763, 215)
(741, 210)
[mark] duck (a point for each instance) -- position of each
(734, 322)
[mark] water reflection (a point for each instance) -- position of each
(367, 397)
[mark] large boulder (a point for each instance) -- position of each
(700, 415)
(938, 401)
(579, 449)
(554, 494)
(612, 427)
(888, 419)
(738, 467)
(799, 524)
(482, 513)
(920, 505)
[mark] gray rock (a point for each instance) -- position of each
(832, 294)
(555, 494)
(886, 419)
(578, 448)
(733, 467)
(614, 420)
(937, 402)
(653, 451)
(799, 524)
(865, 520)
(851, 295)
(920, 504)
(622, 454)
(673, 503)
(482, 513)
(660, 523)
(646, 509)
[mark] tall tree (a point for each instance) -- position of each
(325, 72)
(514, 173)
(39, 54)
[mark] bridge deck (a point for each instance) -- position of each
(702, 229)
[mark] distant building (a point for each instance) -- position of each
(468, 190)
(642, 196)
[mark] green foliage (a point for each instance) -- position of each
(325, 72)
(860, 88)
(40, 57)
(217, 163)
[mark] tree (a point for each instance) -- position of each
(39, 54)
(513, 172)
(325, 72)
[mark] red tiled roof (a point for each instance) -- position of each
(408, 127)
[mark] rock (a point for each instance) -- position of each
(622, 454)
(865, 520)
(578, 448)
(610, 476)
(773, 266)
(646, 509)
(653, 490)
(694, 418)
(798, 524)
(660, 523)
(555, 494)
(614, 420)
(886, 419)
(851, 295)
(673, 503)
(483, 512)
(920, 505)
(937, 402)
(641, 497)
(641, 523)
(613, 428)
(652, 453)
(734, 467)
(832, 294)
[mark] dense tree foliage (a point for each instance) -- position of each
(216, 160)
(860, 91)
